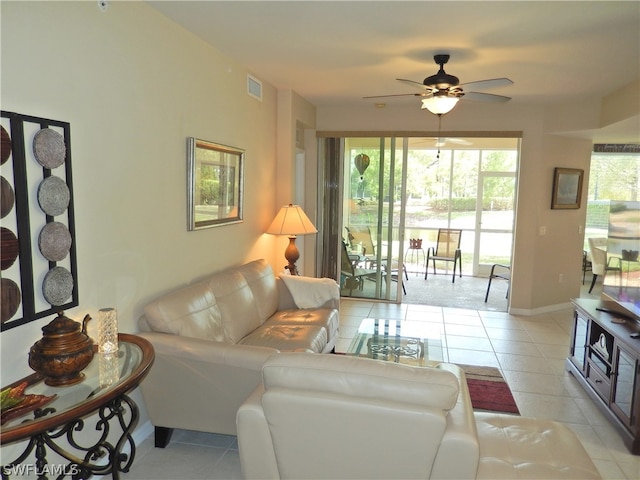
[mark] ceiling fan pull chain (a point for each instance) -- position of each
(439, 138)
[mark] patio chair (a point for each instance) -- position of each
(586, 264)
(447, 250)
(503, 272)
(360, 236)
(394, 270)
(352, 276)
(600, 264)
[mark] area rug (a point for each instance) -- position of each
(488, 390)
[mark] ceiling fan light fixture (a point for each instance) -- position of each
(439, 104)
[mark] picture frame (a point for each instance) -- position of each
(567, 188)
(215, 176)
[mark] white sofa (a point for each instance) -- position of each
(212, 337)
(343, 417)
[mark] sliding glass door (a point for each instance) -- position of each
(372, 217)
(395, 193)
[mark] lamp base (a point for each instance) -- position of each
(292, 255)
(292, 269)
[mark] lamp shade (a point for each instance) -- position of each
(291, 220)
(439, 104)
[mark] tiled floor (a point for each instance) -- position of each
(530, 351)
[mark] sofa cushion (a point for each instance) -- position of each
(290, 338)
(262, 282)
(363, 377)
(191, 311)
(236, 303)
(322, 317)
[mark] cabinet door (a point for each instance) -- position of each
(579, 344)
(625, 385)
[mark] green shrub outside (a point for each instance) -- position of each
(468, 204)
(598, 214)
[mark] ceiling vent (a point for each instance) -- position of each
(254, 87)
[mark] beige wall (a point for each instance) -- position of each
(294, 110)
(134, 86)
(538, 260)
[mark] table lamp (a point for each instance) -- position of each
(291, 221)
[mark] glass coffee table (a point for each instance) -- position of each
(399, 341)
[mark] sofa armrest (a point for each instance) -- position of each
(254, 437)
(286, 301)
(191, 376)
(459, 451)
(143, 324)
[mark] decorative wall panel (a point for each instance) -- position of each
(37, 230)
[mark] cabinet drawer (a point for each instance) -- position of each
(597, 361)
(599, 382)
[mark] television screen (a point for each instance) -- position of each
(622, 276)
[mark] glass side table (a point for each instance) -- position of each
(103, 391)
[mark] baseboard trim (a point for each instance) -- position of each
(143, 432)
(539, 311)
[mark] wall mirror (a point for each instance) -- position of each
(215, 178)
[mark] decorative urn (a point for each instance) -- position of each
(63, 352)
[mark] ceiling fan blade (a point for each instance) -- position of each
(491, 83)
(443, 142)
(457, 141)
(419, 85)
(439, 142)
(485, 97)
(425, 94)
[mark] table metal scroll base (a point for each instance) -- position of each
(83, 468)
(100, 402)
(409, 342)
(394, 348)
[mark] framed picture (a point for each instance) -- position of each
(567, 188)
(214, 184)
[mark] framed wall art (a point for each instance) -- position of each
(214, 184)
(567, 188)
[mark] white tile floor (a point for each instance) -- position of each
(530, 351)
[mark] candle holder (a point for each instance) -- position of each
(107, 330)
(108, 368)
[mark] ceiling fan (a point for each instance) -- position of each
(441, 92)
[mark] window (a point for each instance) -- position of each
(612, 176)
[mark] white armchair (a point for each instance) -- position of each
(342, 417)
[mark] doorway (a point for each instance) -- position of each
(397, 190)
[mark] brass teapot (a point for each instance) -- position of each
(63, 352)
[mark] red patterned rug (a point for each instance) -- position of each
(488, 390)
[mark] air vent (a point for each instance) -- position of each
(254, 87)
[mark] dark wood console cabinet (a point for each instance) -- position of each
(605, 359)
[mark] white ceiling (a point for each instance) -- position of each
(336, 52)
